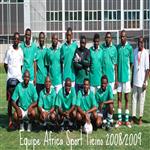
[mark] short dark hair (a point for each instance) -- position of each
(41, 33)
(107, 33)
(86, 79)
(96, 36)
(104, 77)
(28, 29)
(82, 37)
(67, 79)
(69, 29)
(16, 33)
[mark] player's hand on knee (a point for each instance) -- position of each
(19, 113)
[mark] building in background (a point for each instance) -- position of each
(84, 16)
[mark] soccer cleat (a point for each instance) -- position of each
(128, 124)
(21, 127)
(108, 128)
(118, 124)
(29, 127)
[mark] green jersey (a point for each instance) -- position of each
(66, 101)
(25, 95)
(29, 57)
(67, 53)
(109, 61)
(96, 66)
(53, 61)
(41, 68)
(103, 96)
(125, 57)
(47, 100)
(86, 102)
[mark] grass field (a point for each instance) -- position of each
(136, 138)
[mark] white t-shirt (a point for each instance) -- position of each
(141, 64)
(14, 60)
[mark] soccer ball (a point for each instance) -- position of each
(87, 128)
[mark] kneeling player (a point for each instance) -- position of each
(87, 105)
(26, 95)
(65, 102)
(104, 97)
(46, 103)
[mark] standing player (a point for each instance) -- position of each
(40, 68)
(67, 53)
(109, 65)
(81, 63)
(125, 61)
(26, 95)
(65, 102)
(104, 97)
(54, 65)
(86, 105)
(96, 64)
(140, 76)
(29, 50)
(46, 104)
(12, 64)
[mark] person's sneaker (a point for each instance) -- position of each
(118, 124)
(108, 128)
(128, 124)
(29, 127)
(21, 127)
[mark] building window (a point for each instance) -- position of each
(132, 19)
(146, 14)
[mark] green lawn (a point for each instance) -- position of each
(117, 139)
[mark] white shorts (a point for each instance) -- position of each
(24, 113)
(124, 87)
(57, 88)
(94, 88)
(112, 84)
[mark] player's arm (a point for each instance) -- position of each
(116, 76)
(52, 110)
(35, 70)
(18, 110)
(6, 67)
(92, 109)
(109, 102)
(70, 110)
(77, 61)
(81, 111)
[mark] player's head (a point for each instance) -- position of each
(41, 39)
(26, 77)
(123, 37)
(104, 82)
(86, 85)
(47, 83)
(28, 35)
(54, 40)
(67, 85)
(96, 40)
(82, 42)
(69, 34)
(140, 42)
(16, 39)
(108, 38)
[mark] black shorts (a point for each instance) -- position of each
(11, 84)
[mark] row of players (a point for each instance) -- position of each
(65, 106)
(69, 61)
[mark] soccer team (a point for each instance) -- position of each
(70, 86)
